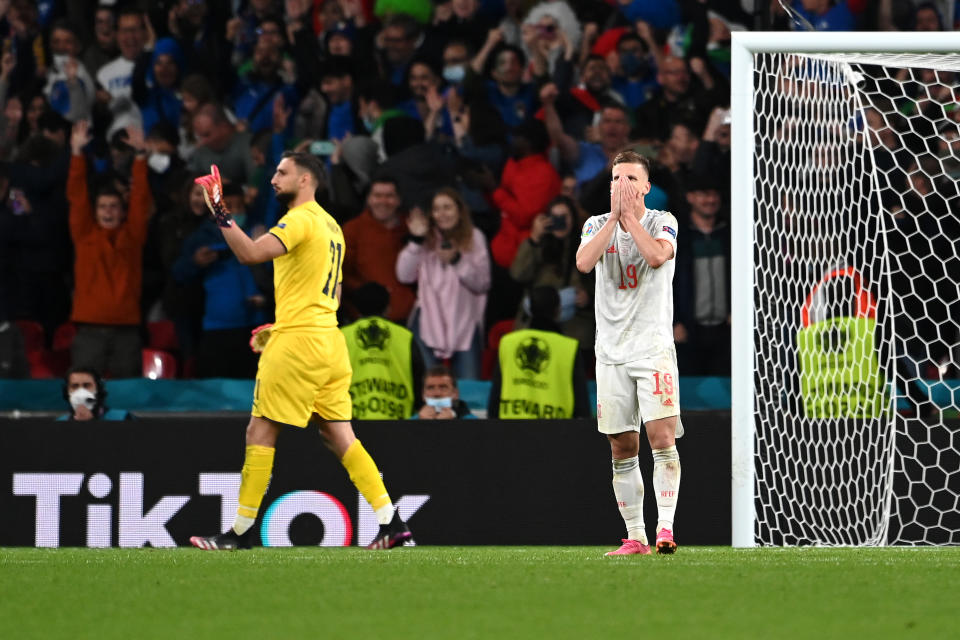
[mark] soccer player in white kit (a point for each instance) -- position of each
(633, 250)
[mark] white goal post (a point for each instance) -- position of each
(814, 204)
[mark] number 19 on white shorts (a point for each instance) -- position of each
(636, 392)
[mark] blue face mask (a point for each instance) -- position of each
(369, 124)
(455, 74)
(440, 403)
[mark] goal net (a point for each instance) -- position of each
(855, 312)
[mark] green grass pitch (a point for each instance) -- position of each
(479, 592)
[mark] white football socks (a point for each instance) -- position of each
(241, 524)
(628, 489)
(666, 483)
(384, 514)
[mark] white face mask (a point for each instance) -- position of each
(440, 403)
(455, 73)
(158, 162)
(83, 398)
(60, 61)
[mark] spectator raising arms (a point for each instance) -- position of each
(108, 242)
(447, 257)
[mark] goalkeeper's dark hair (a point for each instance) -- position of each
(307, 162)
(630, 156)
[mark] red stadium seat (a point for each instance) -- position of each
(63, 336)
(34, 338)
(489, 356)
(58, 358)
(497, 331)
(163, 335)
(159, 364)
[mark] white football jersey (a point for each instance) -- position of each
(633, 302)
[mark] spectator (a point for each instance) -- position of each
(167, 169)
(195, 91)
(712, 157)
(116, 77)
(108, 243)
(103, 49)
(701, 286)
(441, 397)
(587, 159)
(447, 258)
(376, 103)
(373, 243)
(528, 184)
(539, 372)
(336, 85)
(927, 17)
(456, 59)
(461, 20)
(23, 39)
(420, 167)
(548, 258)
(169, 228)
(70, 89)
(633, 70)
(36, 232)
(219, 143)
(198, 26)
(398, 42)
(513, 98)
(478, 135)
(679, 99)
(426, 103)
(258, 88)
(156, 77)
(233, 303)
(826, 15)
(86, 393)
(387, 364)
(551, 34)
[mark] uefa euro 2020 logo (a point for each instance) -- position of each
(532, 354)
(373, 336)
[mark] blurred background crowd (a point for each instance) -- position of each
(465, 143)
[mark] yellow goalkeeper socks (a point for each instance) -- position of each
(255, 477)
(366, 477)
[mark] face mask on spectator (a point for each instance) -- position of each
(83, 398)
(369, 124)
(633, 65)
(455, 73)
(158, 162)
(440, 403)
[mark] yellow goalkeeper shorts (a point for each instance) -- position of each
(303, 373)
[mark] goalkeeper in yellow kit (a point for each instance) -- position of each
(304, 372)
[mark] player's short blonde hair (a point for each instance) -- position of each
(632, 157)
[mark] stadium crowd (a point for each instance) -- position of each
(465, 143)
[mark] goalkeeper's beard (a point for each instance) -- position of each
(284, 197)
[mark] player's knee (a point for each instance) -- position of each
(624, 445)
(262, 432)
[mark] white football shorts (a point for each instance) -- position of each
(632, 393)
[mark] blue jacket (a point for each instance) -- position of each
(228, 285)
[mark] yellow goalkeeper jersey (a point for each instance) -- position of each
(306, 277)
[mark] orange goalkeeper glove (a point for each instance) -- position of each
(259, 338)
(213, 195)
